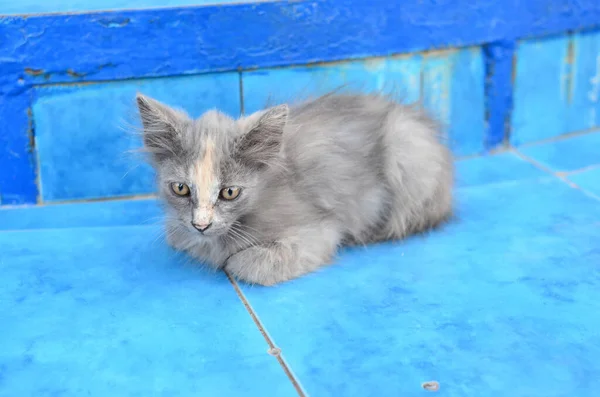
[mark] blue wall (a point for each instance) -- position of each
(557, 86)
(32, 7)
(67, 80)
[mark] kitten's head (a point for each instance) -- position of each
(209, 169)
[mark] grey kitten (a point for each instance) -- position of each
(271, 196)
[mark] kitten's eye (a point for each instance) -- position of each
(230, 193)
(180, 189)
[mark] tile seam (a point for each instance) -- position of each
(272, 346)
(560, 176)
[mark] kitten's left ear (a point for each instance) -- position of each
(261, 145)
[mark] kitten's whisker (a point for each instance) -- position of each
(160, 235)
(240, 236)
(156, 220)
(234, 238)
(241, 225)
(129, 170)
(244, 236)
(246, 233)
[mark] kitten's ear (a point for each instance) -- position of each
(161, 126)
(260, 146)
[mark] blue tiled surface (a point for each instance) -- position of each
(110, 213)
(503, 167)
(112, 311)
(83, 146)
(567, 155)
(503, 300)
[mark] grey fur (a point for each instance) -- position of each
(341, 169)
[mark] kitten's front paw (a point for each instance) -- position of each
(255, 265)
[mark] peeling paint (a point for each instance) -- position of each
(34, 72)
(114, 23)
(74, 74)
(17, 179)
(30, 131)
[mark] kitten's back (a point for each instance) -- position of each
(373, 164)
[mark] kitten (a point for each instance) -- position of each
(271, 196)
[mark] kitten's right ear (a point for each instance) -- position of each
(160, 127)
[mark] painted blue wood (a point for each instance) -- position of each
(498, 85)
(542, 89)
(82, 149)
(584, 100)
(453, 91)
(30, 7)
(398, 76)
(557, 86)
(467, 125)
(144, 43)
(107, 46)
(436, 78)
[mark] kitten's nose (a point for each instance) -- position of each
(201, 227)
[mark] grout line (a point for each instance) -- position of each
(561, 176)
(132, 197)
(500, 149)
(273, 349)
(579, 171)
(58, 228)
(561, 137)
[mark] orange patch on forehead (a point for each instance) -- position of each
(205, 175)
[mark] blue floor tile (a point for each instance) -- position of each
(567, 155)
(102, 312)
(587, 180)
(503, 167)
(503, 301)
(103, 213)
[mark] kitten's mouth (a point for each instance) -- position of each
(205, 232)
(202, 228)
